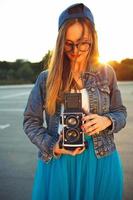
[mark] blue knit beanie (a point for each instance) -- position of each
(78, 10)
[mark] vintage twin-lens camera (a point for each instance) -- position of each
(71, 120)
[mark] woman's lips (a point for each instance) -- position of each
(75, 55)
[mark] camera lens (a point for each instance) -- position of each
(72, 121)
(72, 135)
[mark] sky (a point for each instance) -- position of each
(28, 28)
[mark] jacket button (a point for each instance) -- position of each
(93, 110)
(92, 89)
(101, 153)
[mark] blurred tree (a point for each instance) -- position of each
(10, 74)
(36, 68)
(46, 60)
(123, 69)
(127, 61)
(126, 70)
(25, 72)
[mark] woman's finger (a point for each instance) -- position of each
(92, 128)
(81, 150)
(89, 117)
(88, 124)
(96, 131)
(74, 152)
(65, 151)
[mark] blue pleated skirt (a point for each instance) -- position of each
(80, 177)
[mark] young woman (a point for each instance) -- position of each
(95, 172)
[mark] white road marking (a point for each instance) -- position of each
(14, 95)
(12, 110)
(11, 102)
(16, 86)
(4, 126)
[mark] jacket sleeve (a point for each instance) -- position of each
(117, 112)
(33, 121)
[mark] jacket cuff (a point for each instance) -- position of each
(112, 127)
(48, 155)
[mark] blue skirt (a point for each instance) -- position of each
(80, 177)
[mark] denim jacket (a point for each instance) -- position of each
(104, 99)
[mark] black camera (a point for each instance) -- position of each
(71, 120)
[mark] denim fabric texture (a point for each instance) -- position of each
(104, 99)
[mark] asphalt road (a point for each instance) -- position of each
(18, 156)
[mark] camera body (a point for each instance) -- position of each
(71, 120)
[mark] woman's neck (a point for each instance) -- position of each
(76, 73)
(78, 67)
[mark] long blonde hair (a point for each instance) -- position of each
(60, 77)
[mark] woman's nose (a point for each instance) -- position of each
(75, 49)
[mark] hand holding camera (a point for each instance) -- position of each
(59, 151)
(95, 123)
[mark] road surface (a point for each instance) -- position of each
(18, 156)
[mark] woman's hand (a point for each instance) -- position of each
(58, 151)
(95, 123)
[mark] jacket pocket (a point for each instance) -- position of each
(104, 92)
